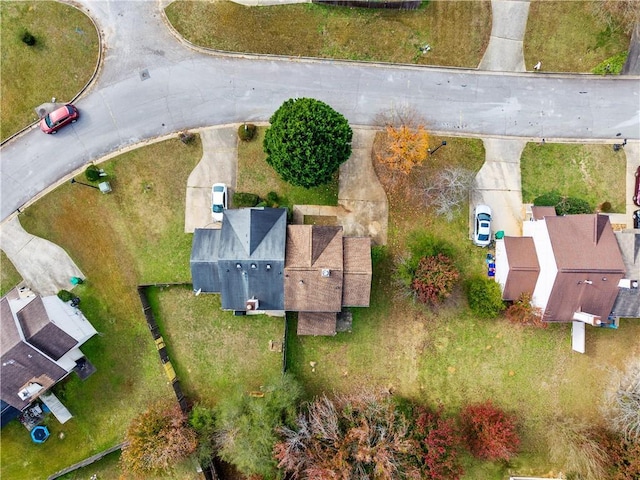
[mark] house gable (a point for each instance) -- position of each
(356, 290)
(39, 331)
(524, 268)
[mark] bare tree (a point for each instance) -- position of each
(626, 404)
(448, 190)
(575, 444)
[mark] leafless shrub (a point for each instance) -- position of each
(575, 445)
(625, 404)
(623, 13)
(448, 190)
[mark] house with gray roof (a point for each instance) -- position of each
(40, 341)
(260, 265)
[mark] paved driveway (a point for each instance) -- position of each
(218, 165)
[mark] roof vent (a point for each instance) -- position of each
(326, 273)
(238, 266)
(252, 304)
(268, 266)
(254, 266)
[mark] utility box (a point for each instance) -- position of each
(105, 187)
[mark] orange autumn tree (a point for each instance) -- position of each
(406, 147)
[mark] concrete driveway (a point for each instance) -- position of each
(219, 164)
(498, 184)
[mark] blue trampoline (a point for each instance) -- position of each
(39, 434)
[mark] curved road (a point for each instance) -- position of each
(184, 89)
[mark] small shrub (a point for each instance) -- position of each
(434, 279)
(65, 295)
(612, 65)
(273, 199)
(605, 207)
(242, 199)
(186, 137)
(523, 312)
(489, 432)
(246, 132)
(573, 206)
(92, 173)
(563, 205)
(28, 39)
(438, 445)
(549, 199)
(484, 297)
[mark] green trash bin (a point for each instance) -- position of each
(499, 235)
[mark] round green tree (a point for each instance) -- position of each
(307, 142)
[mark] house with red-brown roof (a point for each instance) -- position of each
(571, 265)
(259, 264)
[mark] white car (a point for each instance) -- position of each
(482, 225)
(218, 201)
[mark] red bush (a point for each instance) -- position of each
(523, 312)
(439, 445)
(489, 432)
(434, 279)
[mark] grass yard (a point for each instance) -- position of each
(594, 173)
(569, 36)
(134, 235)
(255, 175)
(213, 352)
(9, 276)
(58, 65)
(458, 32)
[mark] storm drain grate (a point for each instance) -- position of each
(144, 75)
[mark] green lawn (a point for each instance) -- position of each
(255, 175)
(58, 65)
(458, 32)
(213, 352)
(9, 276)
(569, 36)
(594, 173)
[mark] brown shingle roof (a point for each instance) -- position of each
(21, 363)
(589, 266)
(316, 323)
(356, 290)
(523, 267)
(539, 213)
(313, 269)
(41, 333)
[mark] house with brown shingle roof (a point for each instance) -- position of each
(571, 265)
(40, 339)
(324, 272)
(260, 265)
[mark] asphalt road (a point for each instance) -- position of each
(185, 89)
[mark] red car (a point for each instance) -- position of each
(54, 121)
(636, 190)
